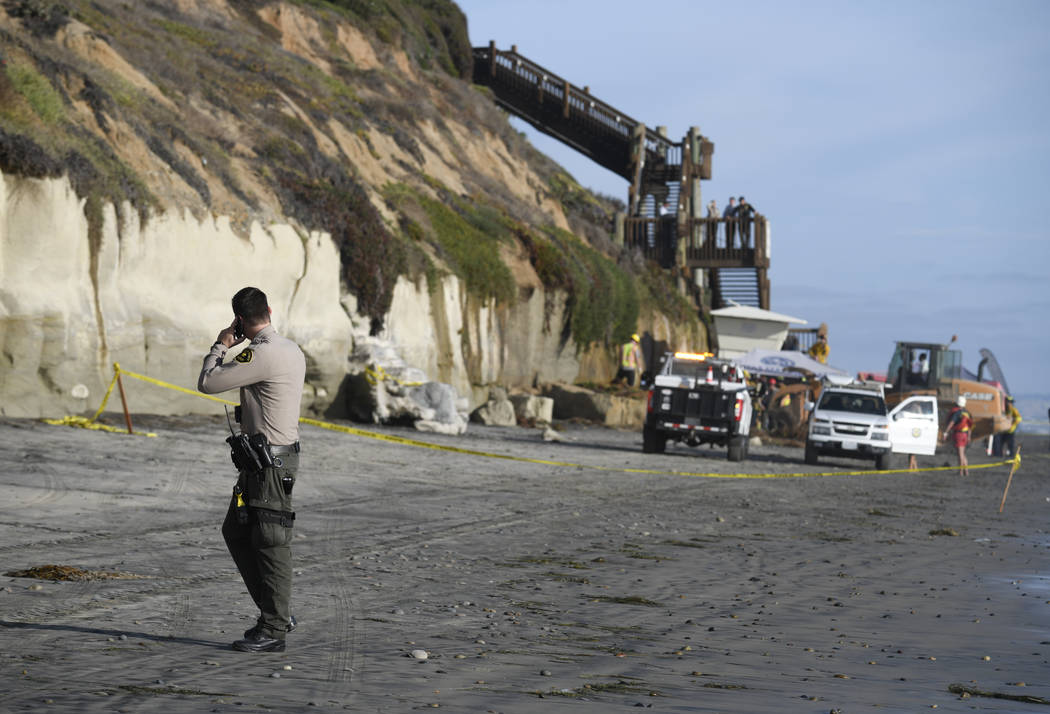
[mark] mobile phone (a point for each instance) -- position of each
(238, 329)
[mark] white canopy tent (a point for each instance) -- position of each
(779, 363)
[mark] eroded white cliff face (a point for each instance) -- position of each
(472, 345)
(158, 291)
(153, 300)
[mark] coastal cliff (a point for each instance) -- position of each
(159, 156)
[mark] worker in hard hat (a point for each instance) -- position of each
(959, 425)
(1009, 443)
(630, 362)
(819, 349)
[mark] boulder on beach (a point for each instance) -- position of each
(572, 401)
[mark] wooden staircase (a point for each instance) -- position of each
(657, 168)
(742, 286)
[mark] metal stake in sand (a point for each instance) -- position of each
(1017, 462)
(123, 398)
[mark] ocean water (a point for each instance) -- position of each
(1033, 408)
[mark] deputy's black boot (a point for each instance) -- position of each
(251, 631)
(259, 642)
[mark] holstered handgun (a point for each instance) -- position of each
(261, 447)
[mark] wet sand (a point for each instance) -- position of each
(531, 587)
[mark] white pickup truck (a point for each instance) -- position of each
(698, 399)
(851, 420)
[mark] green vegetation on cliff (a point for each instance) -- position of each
(211, 69)
(465, 234)
(262, 112)
(433, 32)
(602, 297)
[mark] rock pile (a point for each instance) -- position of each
(519, 409)
(575, 402)
(383, 389)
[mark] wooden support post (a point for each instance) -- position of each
(565, 103)
(637, 164)
(123, 398)
(492, 58)
(618, 228)
(707, 149)
(1017, 462)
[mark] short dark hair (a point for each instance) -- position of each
(250, 304)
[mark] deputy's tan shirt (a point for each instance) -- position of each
(270, 372)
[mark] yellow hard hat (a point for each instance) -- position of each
(635, 337)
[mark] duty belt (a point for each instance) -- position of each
(282, 450)
(265, 515)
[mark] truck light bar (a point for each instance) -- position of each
(698, 356)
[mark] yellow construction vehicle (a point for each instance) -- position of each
(936, 369)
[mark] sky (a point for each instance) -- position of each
(900, 150)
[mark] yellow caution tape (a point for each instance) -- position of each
(567, 464)
(109, 390)
(377, 375)
(405, 441)
(85, 423)
(169, 385)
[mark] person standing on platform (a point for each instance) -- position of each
(712, 223)
(744, 212)
(730, 215)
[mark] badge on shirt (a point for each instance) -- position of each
(245, 356)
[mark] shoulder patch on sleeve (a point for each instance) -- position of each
(245, 356)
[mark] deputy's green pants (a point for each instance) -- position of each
(262, 547)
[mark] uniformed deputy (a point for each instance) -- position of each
(258, 528)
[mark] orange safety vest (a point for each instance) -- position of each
(963, 422)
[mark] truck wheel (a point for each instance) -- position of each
(811, 454)
(653, 440)
(737, 448)
(884, 462)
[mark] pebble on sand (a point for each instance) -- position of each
(420, 654)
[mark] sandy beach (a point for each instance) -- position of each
(531, 587)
